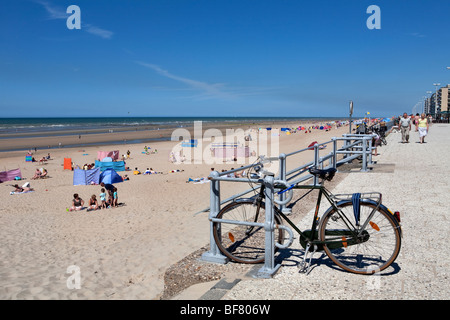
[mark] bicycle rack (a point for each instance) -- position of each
(351, 142)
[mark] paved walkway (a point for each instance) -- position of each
(414, 179)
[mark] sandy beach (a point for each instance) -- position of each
(119, 253)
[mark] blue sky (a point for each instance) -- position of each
(220, 57)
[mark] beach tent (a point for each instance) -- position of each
(230, 150)
(68, 163)
(107, 163)
(285, 129)
(110, 154)
(110, 176)
(86, 177)
(10, 175)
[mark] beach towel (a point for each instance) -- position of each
(16, 192)
(199, 180)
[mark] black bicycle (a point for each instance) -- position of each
(357, 232)
(382, 134)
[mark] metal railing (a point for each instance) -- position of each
(354, 146)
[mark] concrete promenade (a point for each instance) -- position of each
(415, 180)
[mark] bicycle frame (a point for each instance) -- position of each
(314, 238)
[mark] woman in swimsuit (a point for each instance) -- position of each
(77, 203)
(93, 204)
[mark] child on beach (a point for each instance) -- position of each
(109, 203)
(103, 198)
(115, 198)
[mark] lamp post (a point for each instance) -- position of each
(423, 103)
(429, 101)
(351, 112)
(436, 98)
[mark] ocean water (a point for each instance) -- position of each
(14, 128)
(32, 126)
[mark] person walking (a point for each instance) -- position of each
(416, 121)
(405, 127)
(423, 127)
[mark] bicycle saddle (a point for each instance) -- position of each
(326, 174)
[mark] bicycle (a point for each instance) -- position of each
(357, 232)
(382, 135)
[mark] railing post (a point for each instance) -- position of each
(269, 268)
(334, 159)
(316, 162)
(364, 154)
(282, 159)
(214, 254)
(345, 144)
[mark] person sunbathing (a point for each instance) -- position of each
(37, 174)
(25, 188)
(151, 171)
(44, 174)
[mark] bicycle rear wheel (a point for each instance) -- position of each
(373, 249)
(244, 244)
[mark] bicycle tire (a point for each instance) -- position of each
(374, 250)
(241, 243)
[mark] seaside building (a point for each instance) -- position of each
(439, 110)
(427, 106)
(444, 101)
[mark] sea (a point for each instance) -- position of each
(11, 128)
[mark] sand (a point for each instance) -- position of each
(119, 253)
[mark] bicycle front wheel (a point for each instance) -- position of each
(241, 243)
(369, 247)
